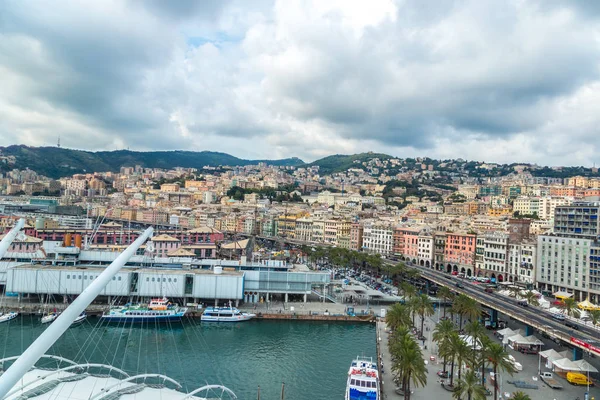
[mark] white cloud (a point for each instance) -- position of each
(500, 81)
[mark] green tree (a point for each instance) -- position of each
(424, 308)
(446, 295)
(441, 335)
(408, 364)
(595, 316)
(455, 350)
(398, 316)
(469, 387)
(532, 298)
(498, 357)
(520, 396)
(570, 307)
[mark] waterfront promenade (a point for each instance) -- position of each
(434, 390)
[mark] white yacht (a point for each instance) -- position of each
(363, 380)
(80, 318)
(8, 316)
(225, 314)
(50, 317)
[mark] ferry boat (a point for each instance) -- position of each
(8, 316)
(225, 314)
(158, 310)
(363, 380)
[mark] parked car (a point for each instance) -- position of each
(458, 285)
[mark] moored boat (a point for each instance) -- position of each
(225, 314)
(363, 380)
(50, 317)
(80, 318)
(8, 316)
(158, 310)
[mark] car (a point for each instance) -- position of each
(458, 285)
(558, 316)
(522, 303)
(488, 290)
(572, 324)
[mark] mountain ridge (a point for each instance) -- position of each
(56, 162)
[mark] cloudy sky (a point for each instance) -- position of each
(502, 81)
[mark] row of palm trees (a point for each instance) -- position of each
(407, 358)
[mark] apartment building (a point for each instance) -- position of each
(356, 236)
(567, 259)
(378, 238)
(493, 262)
(425, 249)
(304, 229)
(522, 259)
(459, 252)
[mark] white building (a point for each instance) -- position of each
(425, 253)
(378, 239)
(563, 264)
(522, 259)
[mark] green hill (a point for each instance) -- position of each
(57, 162)
(341, 162)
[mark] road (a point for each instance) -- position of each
(527, 315)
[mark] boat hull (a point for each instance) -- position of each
(237, 318)
(141, 319)
(8, 317)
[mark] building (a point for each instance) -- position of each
(579, 219)
(356, 236)
(459, 252)
(493, 264)
(378, 239)
(522, 260)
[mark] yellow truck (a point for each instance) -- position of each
(575, 378)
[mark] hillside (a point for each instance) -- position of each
(341, 162)
(57, 162)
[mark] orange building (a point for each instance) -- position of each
(459, 251)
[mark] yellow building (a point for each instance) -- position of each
(170, 187)
(499, 211)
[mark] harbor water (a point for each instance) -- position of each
(311, 358)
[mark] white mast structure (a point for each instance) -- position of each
(10, 236)
(37, 349)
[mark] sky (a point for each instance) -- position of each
(496, 81)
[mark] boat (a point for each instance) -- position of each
(80, 318)
(8, 316)
(225, 314)
(50, 317)
(363, 380)
(157, 310)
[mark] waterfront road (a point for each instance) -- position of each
(534, 317)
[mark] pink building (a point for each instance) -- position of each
(459, 253)
(165, 244)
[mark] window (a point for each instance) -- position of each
(153, 279)
(147, 279)
(119, 278)
(68, 276)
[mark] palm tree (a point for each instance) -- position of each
(398, 315)
(456, 350)
(570, 307)
(408, 364)
(424, 308)
(471, 309)
(498, 357)
(446, 295)
(520, 396)
(408, 290)
(595, 316)
(441, 335)
(470, 388)
(532, 298)
(514, 291)
(476, 331)
(413, 306)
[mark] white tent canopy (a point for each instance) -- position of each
(534, 341)
(469, 341)
(506, 331)
(518, 339)
(562, 294)
(506, 338)
(552, 355)
(585, 366)
(566, 365)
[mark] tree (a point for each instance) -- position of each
(469, 387)
(520, 396)
(498, 357)
(532, 298)
(456, 350)
(424, 308)
(514, 291)
(570, 307)
(441, 335)
(408, 364)
(445, 294)
(471, 309)
(398, 316)
(595, 316)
